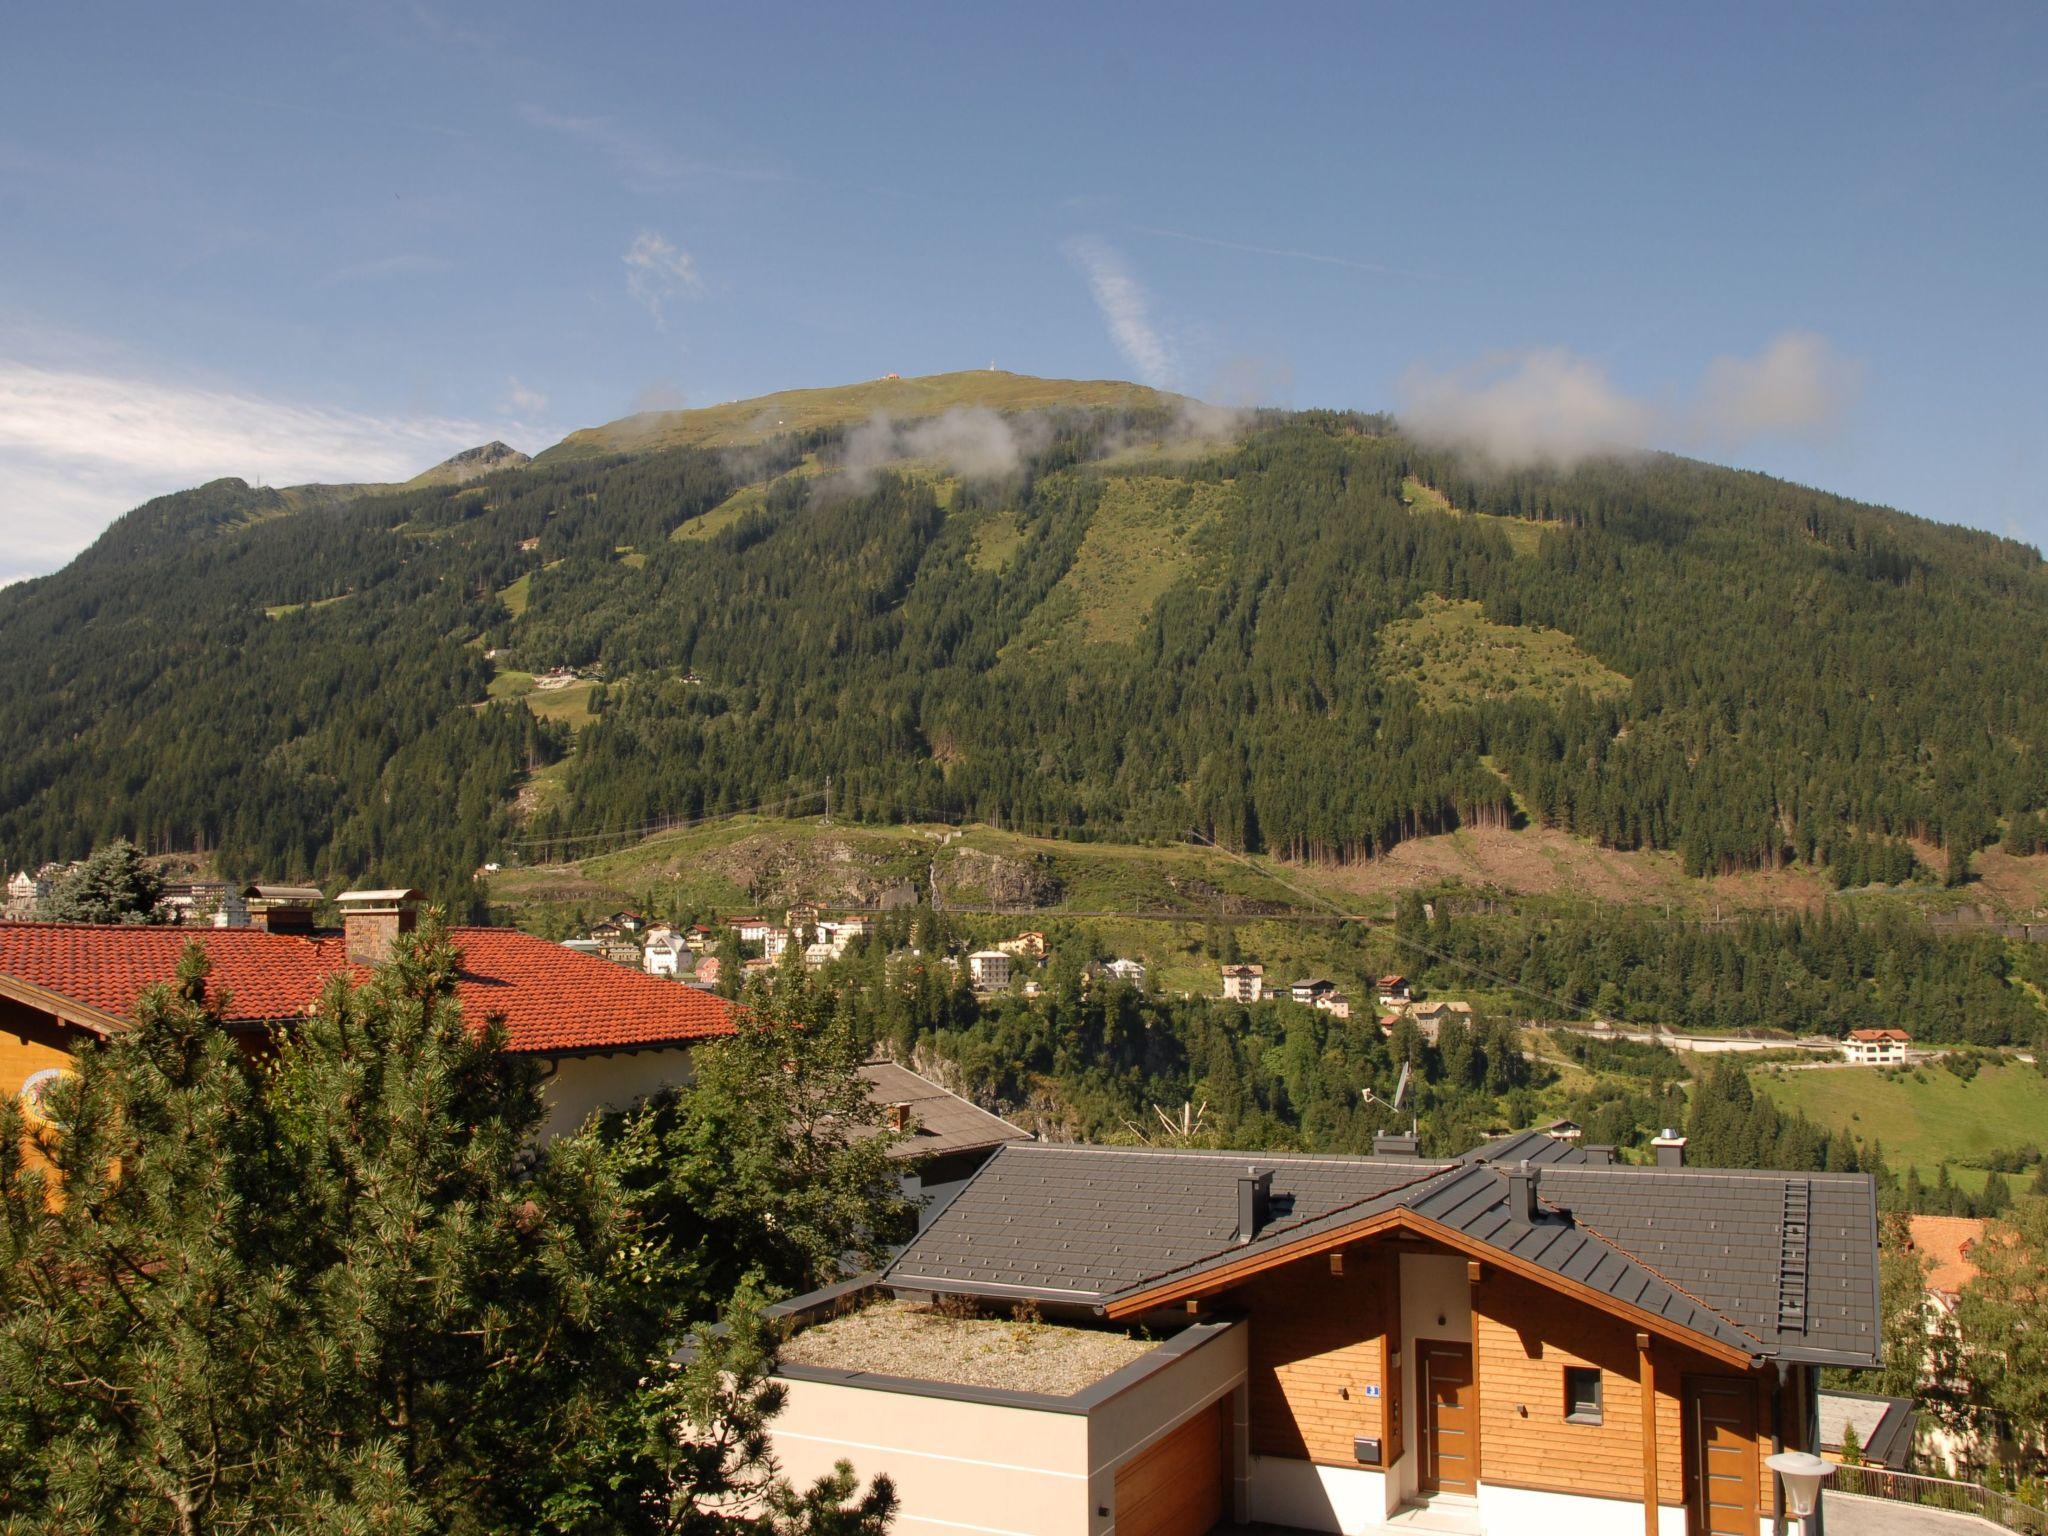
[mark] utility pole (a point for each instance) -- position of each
(828, 797)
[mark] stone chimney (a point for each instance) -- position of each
(281, 908)
(1396, 1144)
(1254, 1202)
(1600, 1154)
(371, 922)
(1670, 1149)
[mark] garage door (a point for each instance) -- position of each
(1176, 1487)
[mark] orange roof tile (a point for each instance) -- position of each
(1945, 1242)
(552, 999)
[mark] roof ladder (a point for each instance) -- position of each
(1792, 1256)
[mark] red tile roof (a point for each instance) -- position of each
(552, 999)
(1879, 1034)
(1946, 1241)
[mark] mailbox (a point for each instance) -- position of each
(1365, 1449)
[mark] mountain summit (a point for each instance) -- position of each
(739, 422)
(471, 464)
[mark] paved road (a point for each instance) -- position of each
(1846, 1514)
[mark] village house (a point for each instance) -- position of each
(23, 892)
(1945, 1244)
(1130, 972)
(751, 930)
(1310, 988)
(802, 918)
(1244, 983)
(1393, 991)
(1875, 1047)
(948, 1138)
(817, 956)
(604, 1036)
(665, 954)
(1336, 1004)
(1525, 1340)
(1026, 946)
(701, 938)
(989, 970)
(773, 942)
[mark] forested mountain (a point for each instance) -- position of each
(1314, 637)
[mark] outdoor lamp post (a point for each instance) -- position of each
(1800, 1473)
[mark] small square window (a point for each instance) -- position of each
(1581, 1395)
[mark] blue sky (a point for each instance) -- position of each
(330, 242)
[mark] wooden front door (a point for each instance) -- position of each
(1177, 1487)
(1450, 1417)
(1720, 1457)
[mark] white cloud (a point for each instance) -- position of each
(1553, 407)
(972, 441)
(1127, 310)
(1546, 407)
(1798, 386)
(78, 448)
(523, 402)
(657, 272)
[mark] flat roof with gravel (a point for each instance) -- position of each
(904, 1338)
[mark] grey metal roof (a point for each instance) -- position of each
(1706, 1250)
(1082, 1222)
(940, 1122)
(1723, 1235)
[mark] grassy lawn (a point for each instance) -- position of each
(570, 704)
(515, 596)
(1457, 657)
(748, 498)
(511, 683)
(1523, 534)
(1922, 1121)
(799, 410)
(1144, 537)
(281, 610)
(996, 542)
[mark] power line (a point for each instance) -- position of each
(669, 824)
(1562, 1007)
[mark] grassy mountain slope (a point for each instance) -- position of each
(741, 422)
(1277, 638)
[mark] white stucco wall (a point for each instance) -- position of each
(1531, 1512)
(1001, 1469)
(1312, 1498)
(958, 1466)
(576, 1085)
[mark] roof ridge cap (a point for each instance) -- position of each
(1277, 1227)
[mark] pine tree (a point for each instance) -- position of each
(1999, 1315)
(339, 1286)
(112, 885)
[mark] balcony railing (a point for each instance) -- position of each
(1943, 1493)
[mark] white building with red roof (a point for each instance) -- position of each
(605, 1036)
(1876, 1047)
